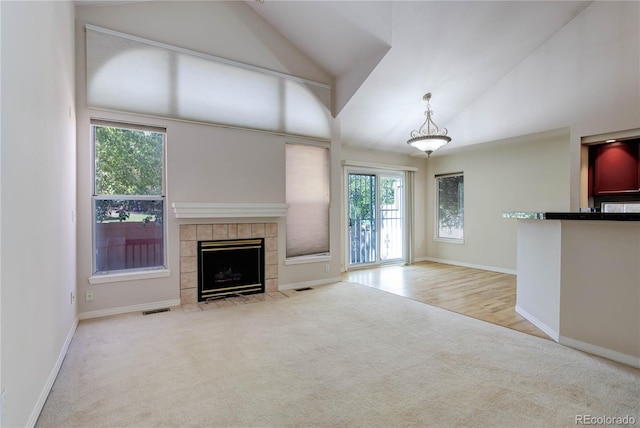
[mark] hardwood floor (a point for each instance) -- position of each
(484, 295)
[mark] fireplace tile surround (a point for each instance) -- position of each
(190, 234)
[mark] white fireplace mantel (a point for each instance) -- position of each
(227, 210)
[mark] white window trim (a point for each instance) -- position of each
(315, 258)
(128, 276)
(448, 240)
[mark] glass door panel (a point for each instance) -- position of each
(362, 219)
(391, 217)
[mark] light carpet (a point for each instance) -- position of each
(342, 355)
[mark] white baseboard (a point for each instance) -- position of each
(535, 321)
(469, 265)
(126, 309)
(306, 284)
(609, 354)
(582, 346)
(52, 377)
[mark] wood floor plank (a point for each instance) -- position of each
(484, 295)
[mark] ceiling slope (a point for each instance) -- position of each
(346, 39)
(385, 55)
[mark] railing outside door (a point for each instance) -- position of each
(375, 218)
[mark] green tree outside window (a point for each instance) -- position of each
(128, 163)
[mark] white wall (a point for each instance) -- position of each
(523, 174)
(204, 163)
(1, 388)
(539, 273)
(38, 201)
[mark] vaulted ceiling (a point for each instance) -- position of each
(385, 55)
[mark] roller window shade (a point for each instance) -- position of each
(129, 74)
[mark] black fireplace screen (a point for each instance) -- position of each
(230, 267)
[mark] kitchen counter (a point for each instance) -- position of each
(579, 281)
(572, 216)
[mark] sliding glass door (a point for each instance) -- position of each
(375, 216)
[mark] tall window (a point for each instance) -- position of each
(450, 207)
(307, 194)
(128, 197)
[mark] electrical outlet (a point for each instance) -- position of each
(73, 296)
(89, 296)
(326, 267)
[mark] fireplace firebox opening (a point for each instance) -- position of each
(230, 268)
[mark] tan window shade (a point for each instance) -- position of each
(130, 74)
(307, 181)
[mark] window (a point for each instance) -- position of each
(450, 207)
(307, 193)
(621, 207)
(128, 197)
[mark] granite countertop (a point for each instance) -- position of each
(572, 216)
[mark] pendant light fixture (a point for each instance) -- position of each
(429, 137)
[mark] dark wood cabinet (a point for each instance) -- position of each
(616, 169)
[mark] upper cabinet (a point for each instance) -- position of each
(616, 168)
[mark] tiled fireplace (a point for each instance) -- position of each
(190, 234)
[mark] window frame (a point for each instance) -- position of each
(436, 233)
(98, 277)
